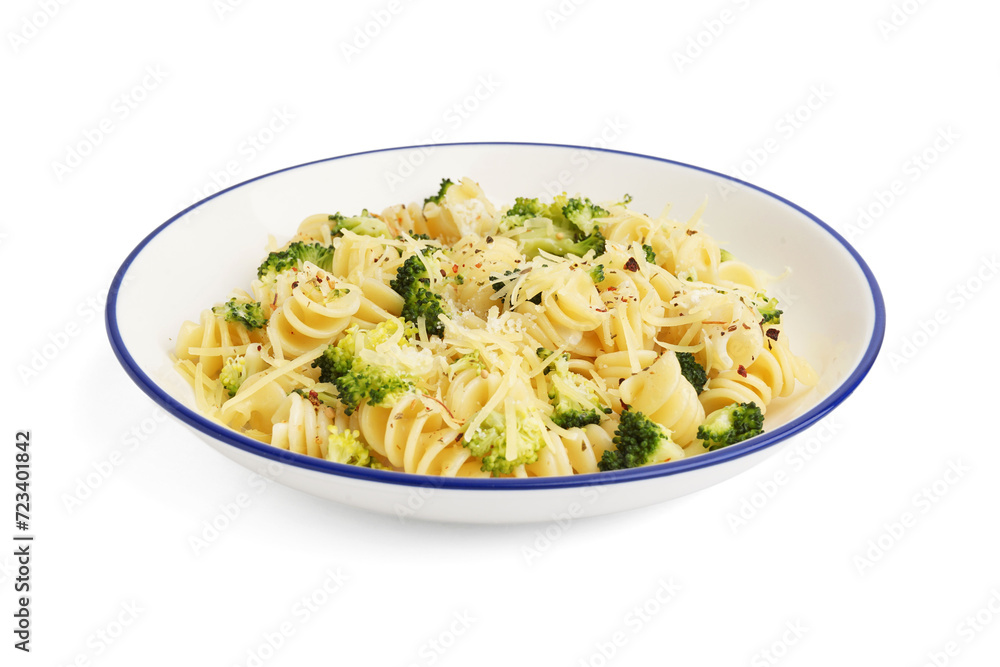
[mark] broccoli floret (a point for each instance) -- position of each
(346, 447)
(639, 442)
(445, 184)
(525, 209)
(581, 214)
(411, 283)
(731, 424)
(294, 256)
(415, 237)
(357, 381)
(248, 313)
(692, 371)
(466, 362)
(573, 397)
(650, 255)
(490, 442)
(725, 255)
(769, 311)
(233, 375)
(597, 274)
(365, 224)
(564, 243)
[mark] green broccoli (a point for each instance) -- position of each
(573, 397)
(581, 213)
(358, 381)
(294, 256)
(692, 371)
(411, 283)
(769, 310)
(346, 447)
(639, 441)
(560, 243)
(365, 224)
(248, 313)
(731, 424)
(445, 184)
(725, 255)
(415, 237)
(597, 274)
(233, 375)
(490, 442)
(650, 255)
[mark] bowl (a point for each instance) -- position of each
(834, 313)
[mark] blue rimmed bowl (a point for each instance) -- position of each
(834, 314)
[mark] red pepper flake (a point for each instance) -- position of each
(742, 371)
(454, 268)
(612, 289)
(731, 328)
(295, 284)
(691, 232)
(479, 265)
(489, 239)
(772, 334)
(443, 274)
(631, 264)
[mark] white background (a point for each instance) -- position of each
(861, 546)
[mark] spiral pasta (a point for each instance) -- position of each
(457, 338)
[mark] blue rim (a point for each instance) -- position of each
(195, 420)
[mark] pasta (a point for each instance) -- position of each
(462, 338)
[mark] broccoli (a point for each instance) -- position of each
(346, 447)
(468, 361)
(365, 224)
(563, 243)
(356, 380)
(489, 442)
(725, 255)
(415, 237)
(294, 256)
(411, 283)
(522, 210)
(597, 274)
(639, 442)
(573, 396)
(233, 375)
(692, 371)
(247, 313)
(581, 214)
(769, 311)
(650, 255)
(445, 184)
(730, 425)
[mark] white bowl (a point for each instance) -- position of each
(834, 313)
